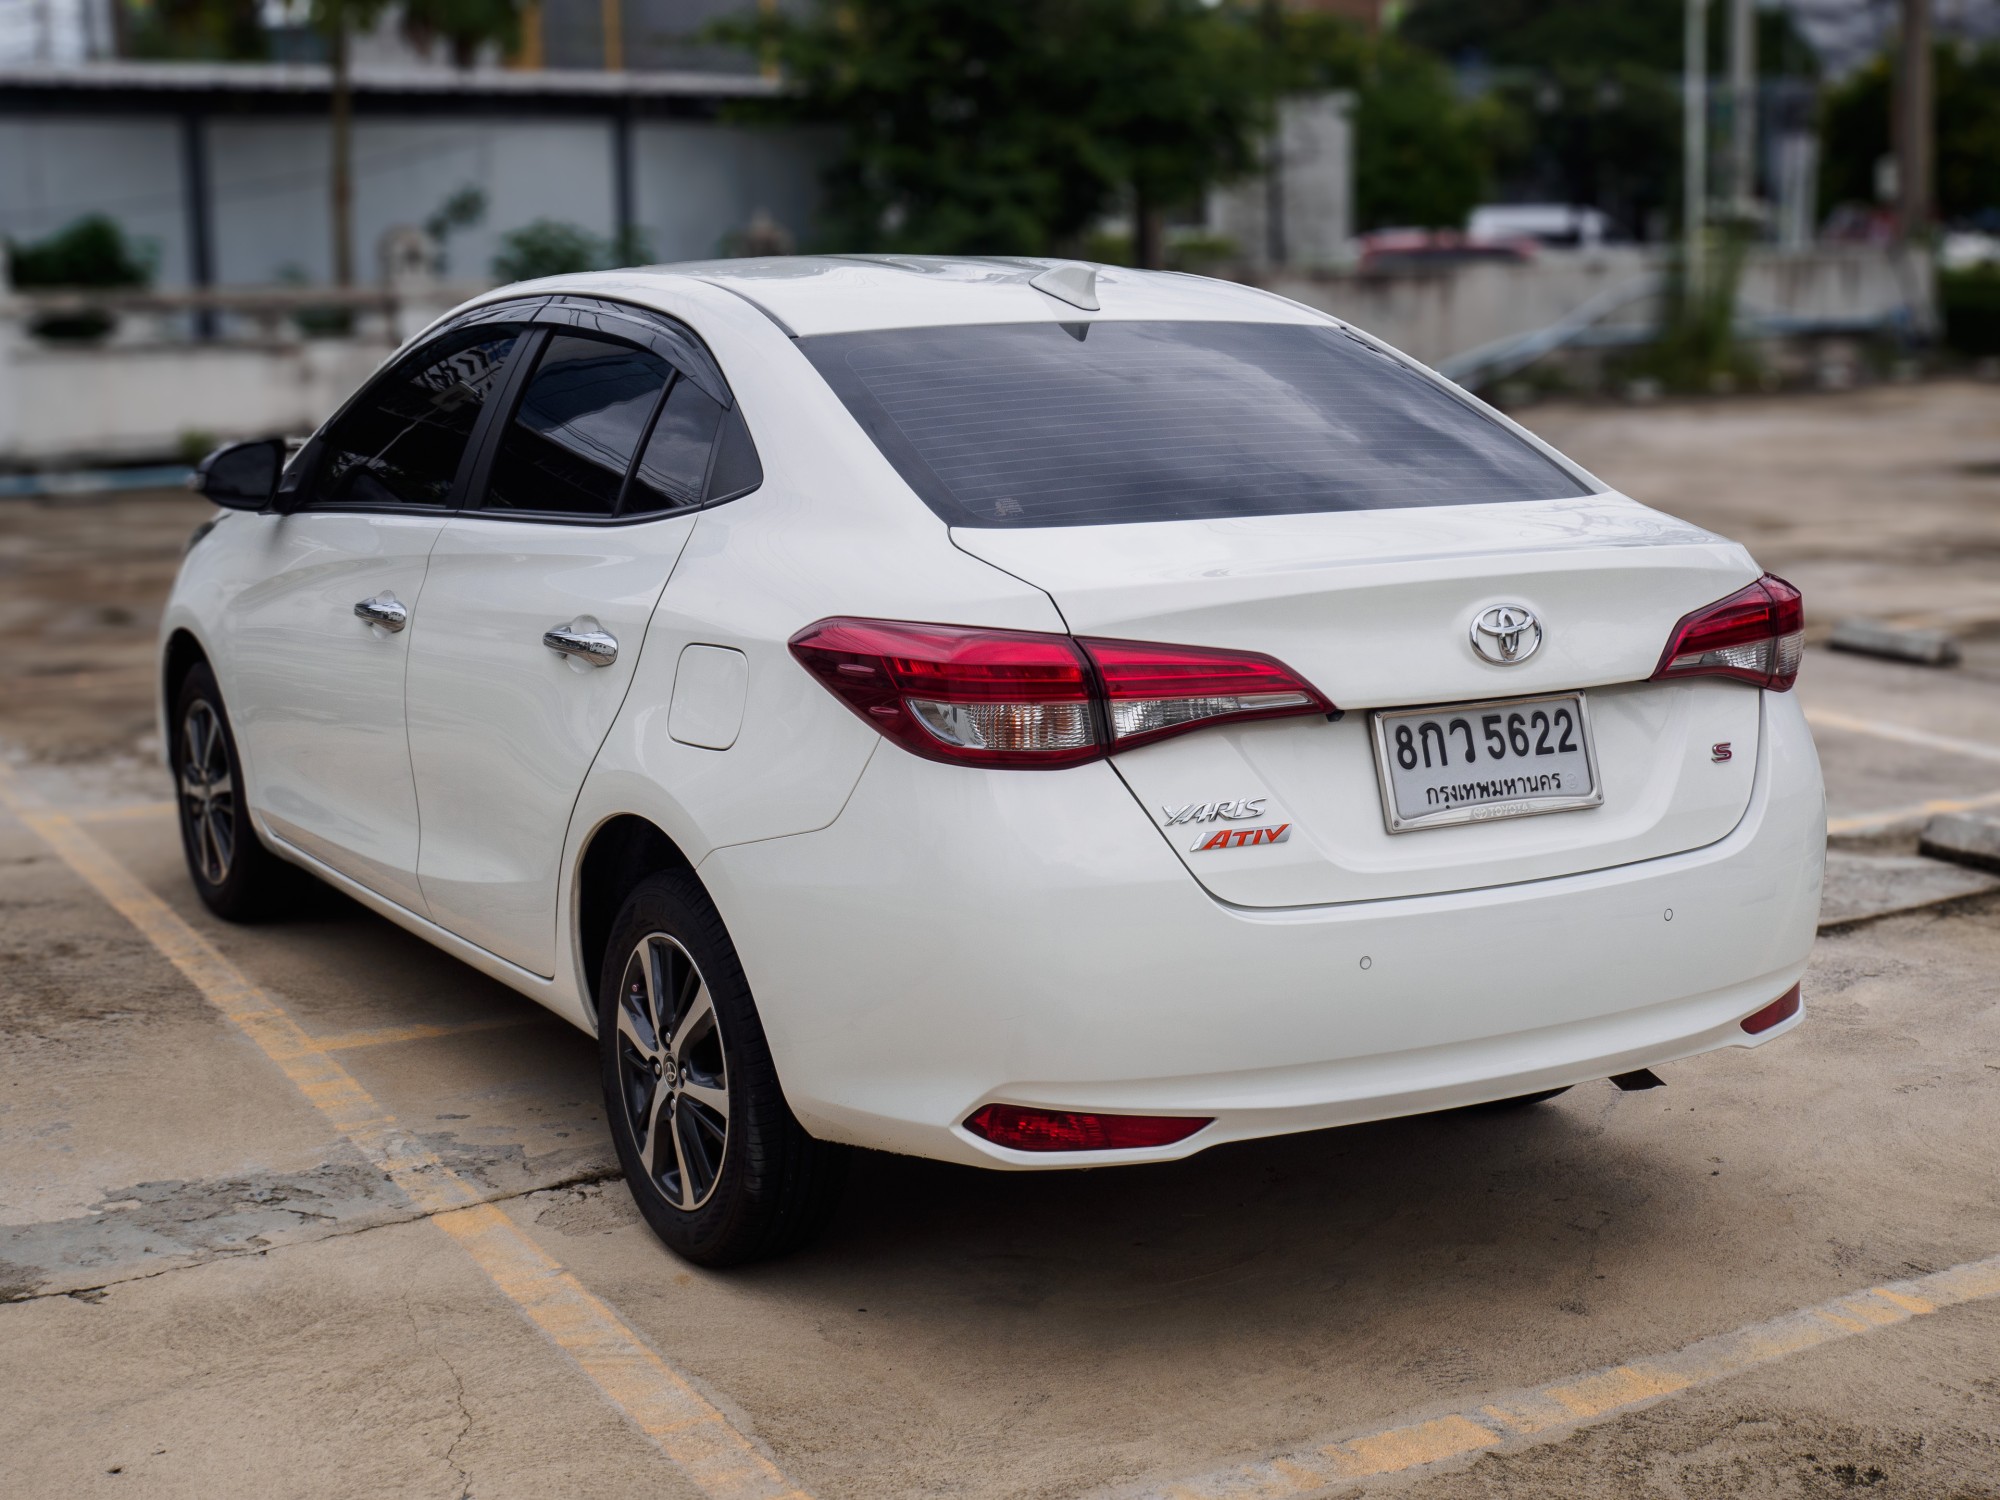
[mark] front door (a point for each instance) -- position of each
(320, 640)
(535, 610)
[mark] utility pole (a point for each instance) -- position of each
(1742, 107)
(1914, 123)
(612, 15)
(1275, 250)
(1694, 140)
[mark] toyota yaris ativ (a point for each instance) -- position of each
(1014, 712)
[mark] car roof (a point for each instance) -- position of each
(815, 294)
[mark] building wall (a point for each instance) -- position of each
(55, 170)
(698, 184)
(695, 183)
(1314, 157)
(271, 203)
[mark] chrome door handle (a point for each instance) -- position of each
(383, 610)
(583, 640)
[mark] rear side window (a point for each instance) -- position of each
(674, 467)
(1084, 424)
(401, 441)
(578, 423)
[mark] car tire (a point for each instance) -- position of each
(236, 877)
(713, 1155)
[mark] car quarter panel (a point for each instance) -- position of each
(832, 530)
(1028, 938)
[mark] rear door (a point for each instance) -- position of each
(319, 644)
(536, 605)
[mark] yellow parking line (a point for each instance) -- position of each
(382, 1036)
(653, 1395)
(1902, 734)
(120, 814)
(1523, 1417)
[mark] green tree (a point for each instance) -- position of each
(464, 26)
(1590, 91)
(89, 252)
(1854, 128)
(968, 126)
(210, 30)
(1422, 153)
(550, 247)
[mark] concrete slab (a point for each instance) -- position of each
(1860, 886)
(1921, 647)
(1963, 838)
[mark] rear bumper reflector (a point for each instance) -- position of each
(1781, 1009)
(1021, 1129)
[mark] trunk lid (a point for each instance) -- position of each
(1376, 608)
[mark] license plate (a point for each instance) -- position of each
(1471, 762)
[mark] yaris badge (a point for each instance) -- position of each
(1506, 634)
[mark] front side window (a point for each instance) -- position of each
(580, 420)
(1081, 424)
(401, 441)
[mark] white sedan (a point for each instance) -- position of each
(1013, 712)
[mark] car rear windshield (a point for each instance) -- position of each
(1084, 424)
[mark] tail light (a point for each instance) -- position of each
(1023, 698)
(1756, 635)
(1063, 1130)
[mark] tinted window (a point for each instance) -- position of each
(1086, 423)
(578, 424)
(736, 470)
(675, 465)
(401, 441)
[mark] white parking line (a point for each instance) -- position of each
(660, 1401)
(1823, 718)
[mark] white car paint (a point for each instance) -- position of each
(319, 712)
(923, 938)
(501, 729)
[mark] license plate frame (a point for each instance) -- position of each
(1492, 810)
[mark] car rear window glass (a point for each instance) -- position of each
(1080, 424)
(401, 441)
(577, 426)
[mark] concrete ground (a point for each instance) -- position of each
(210, 1285)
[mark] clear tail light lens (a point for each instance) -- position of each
(1155, 691)
(1023, 698)
(1756, 635)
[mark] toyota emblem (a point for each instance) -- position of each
(1506, 634)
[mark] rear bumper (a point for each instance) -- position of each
(960, 937)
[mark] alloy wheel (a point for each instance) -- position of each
(208, 792)
(672, 1073)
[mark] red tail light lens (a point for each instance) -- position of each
(968, 696)
(1781, 1009)
(1023, 698)
(1756, 635)
(1062, 1130)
